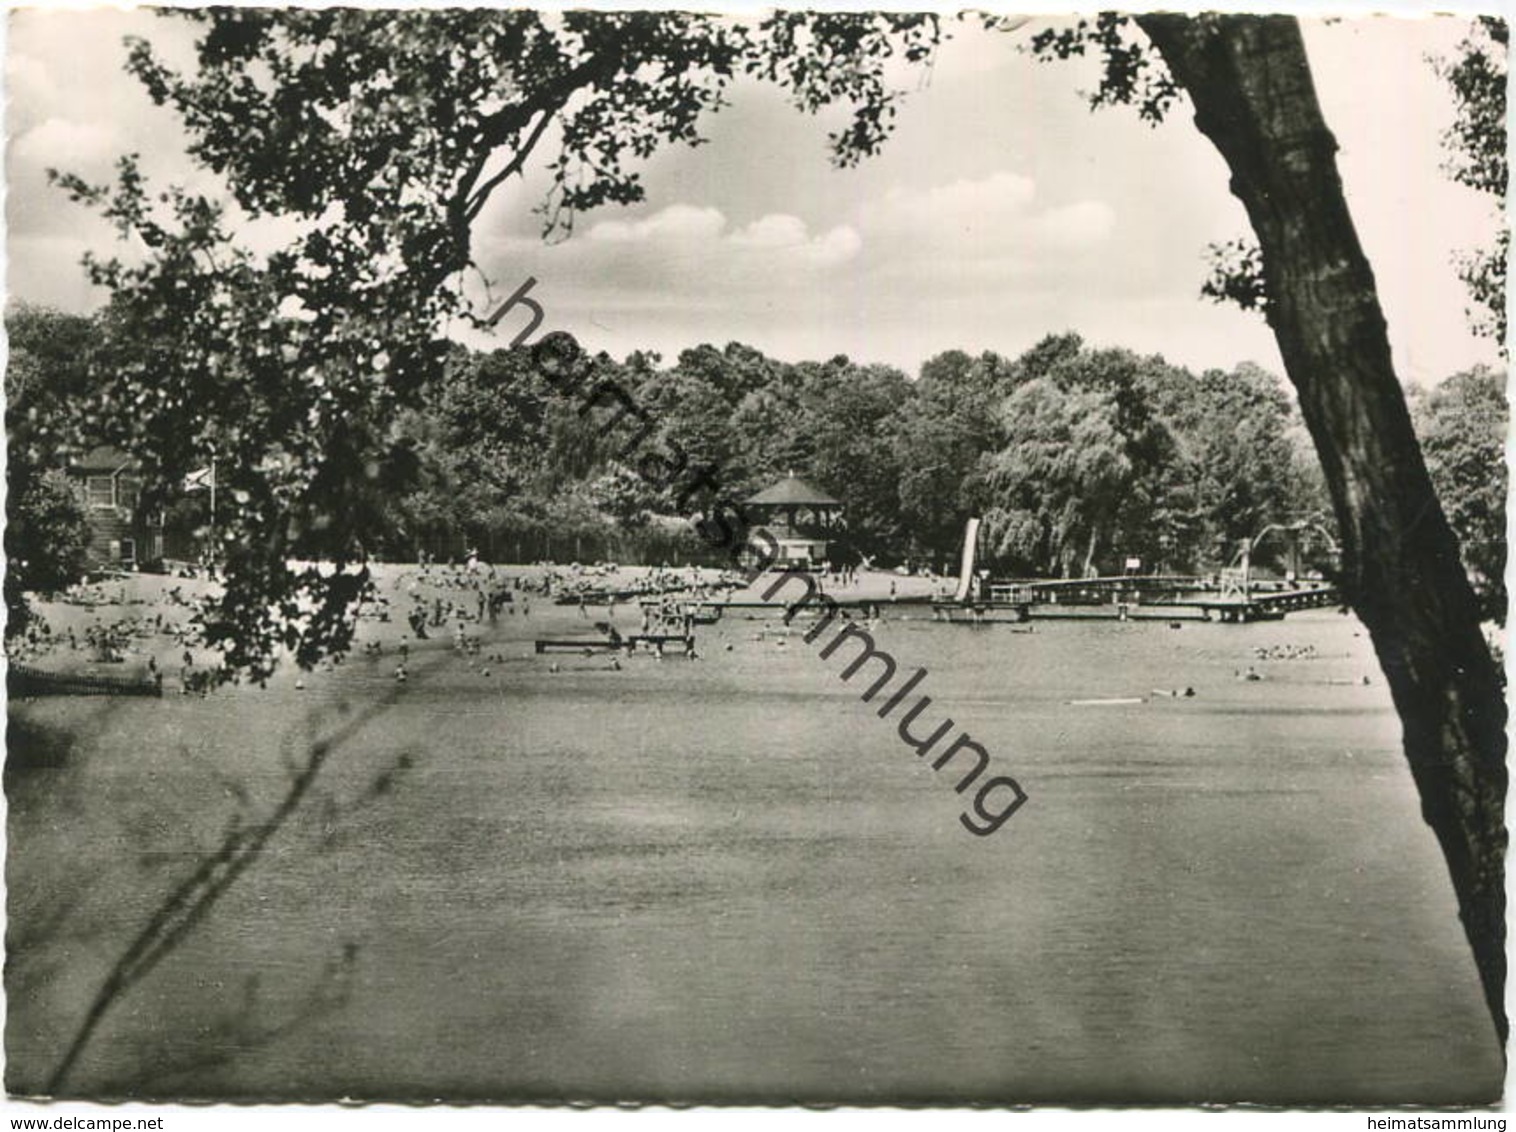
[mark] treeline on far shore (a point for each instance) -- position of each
(1076, 457)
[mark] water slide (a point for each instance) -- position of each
(966, 570)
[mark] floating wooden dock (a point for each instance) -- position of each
(1060, 611)
(655, 640)
(606, 644)
(981, 612)
(560, 645)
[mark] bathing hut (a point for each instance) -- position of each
(801, 519)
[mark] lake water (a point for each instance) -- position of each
(729, 880)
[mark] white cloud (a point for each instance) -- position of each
(777, 230)
(960, 258)
(677, 223)
(968, 235)
(76, 146)
(981, 218)
(961, 206)
(683, 233)
(787, 238)
(682, 253)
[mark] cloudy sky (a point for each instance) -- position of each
(1002, 210)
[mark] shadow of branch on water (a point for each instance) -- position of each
(239, 1030)
(187, 904)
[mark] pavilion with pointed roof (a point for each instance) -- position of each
(800, 518)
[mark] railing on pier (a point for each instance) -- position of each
(1215, 595)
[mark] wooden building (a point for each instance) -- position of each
(800, 518)
(123, 536)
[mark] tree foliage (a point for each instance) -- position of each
(49, 374)
(46, 537)
(1131, 74)
(1104, 455)
(1076, 456)
(1476, 144)
(1463, 424)
(943, 435)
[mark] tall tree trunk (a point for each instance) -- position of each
(1251, 87)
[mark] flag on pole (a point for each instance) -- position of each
(203, 480)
